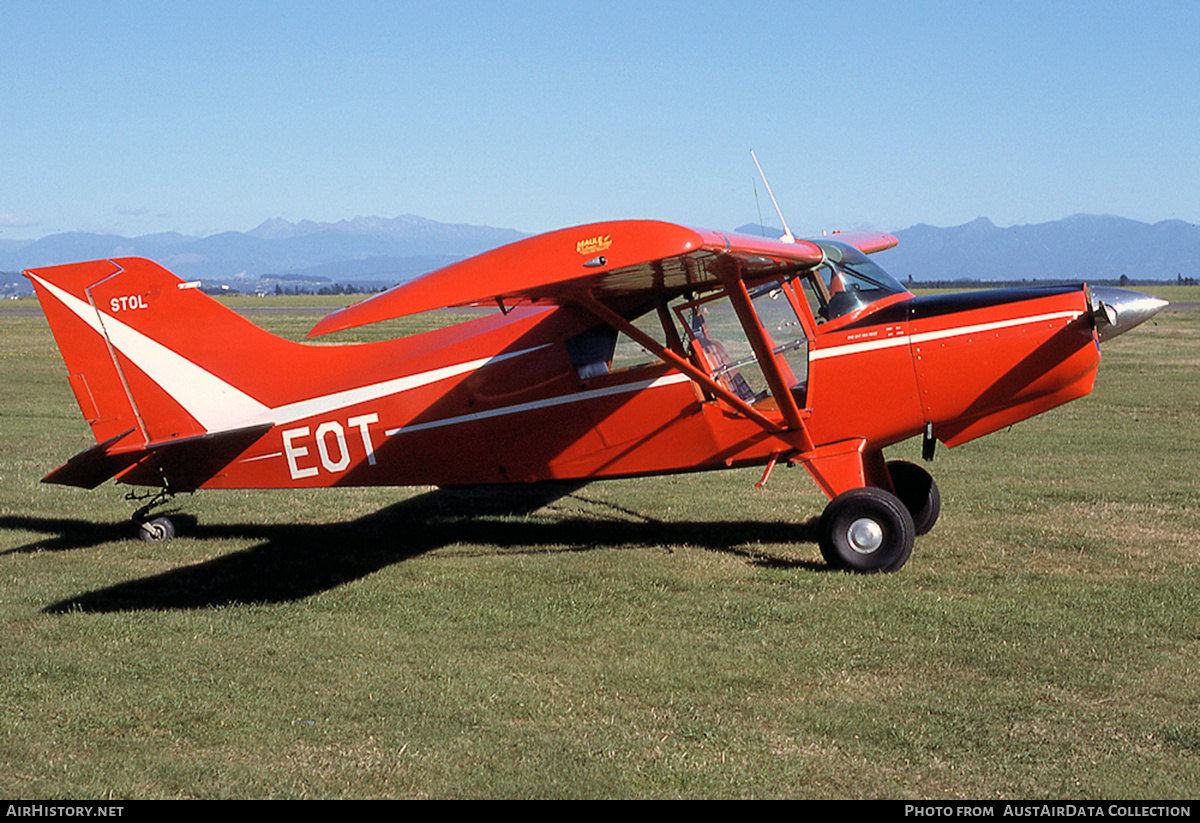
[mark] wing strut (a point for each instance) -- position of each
(740, 297)
(797, 438)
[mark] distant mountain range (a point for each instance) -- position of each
(365, 250)
(1084, 247)
(373, 251)
(1080, 248)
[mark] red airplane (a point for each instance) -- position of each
(746, 351)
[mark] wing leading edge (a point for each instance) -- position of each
(610, 259)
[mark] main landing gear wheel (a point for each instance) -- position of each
(866, 530)
(919, 493)
(157, 530)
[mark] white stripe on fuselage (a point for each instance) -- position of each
(940, 334)
(219, 406)
(549, 402)
(352, 397)
(819, 354)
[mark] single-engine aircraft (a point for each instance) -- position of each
(734, 351)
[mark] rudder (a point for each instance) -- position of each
(91, 368)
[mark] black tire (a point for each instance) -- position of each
(918, 492)
(866, 530)
(158, 530)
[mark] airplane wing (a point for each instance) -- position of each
(607, 260)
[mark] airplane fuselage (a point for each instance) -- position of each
(967, 363)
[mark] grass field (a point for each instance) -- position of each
(665, 637)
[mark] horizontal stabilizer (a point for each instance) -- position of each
(93, 466)
(179, 465)
(865, 240)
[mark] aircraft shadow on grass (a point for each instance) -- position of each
(294, 561)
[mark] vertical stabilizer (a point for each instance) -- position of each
(135, 339)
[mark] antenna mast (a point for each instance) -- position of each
(787, 233)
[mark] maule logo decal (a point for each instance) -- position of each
(594, 245)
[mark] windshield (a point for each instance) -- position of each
(849, 280)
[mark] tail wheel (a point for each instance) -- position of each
(866, 530)
(919, 493)
(158, 530)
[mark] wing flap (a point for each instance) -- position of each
(607, 259)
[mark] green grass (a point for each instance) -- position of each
(665, 637)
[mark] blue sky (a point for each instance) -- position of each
(135, 118)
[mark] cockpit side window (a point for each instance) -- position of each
(601, 350)
(592, 351)
(721, 347)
